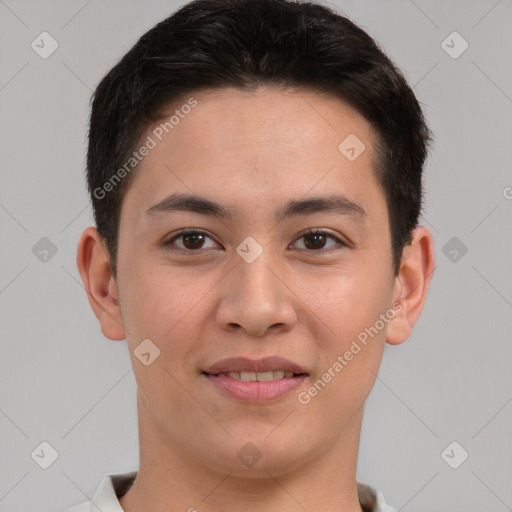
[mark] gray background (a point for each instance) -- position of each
(62, 382)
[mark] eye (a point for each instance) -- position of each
(192, 239)
(315, 240)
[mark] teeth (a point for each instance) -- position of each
(266, 376)
(258, 376)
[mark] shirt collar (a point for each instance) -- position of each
(113, 487)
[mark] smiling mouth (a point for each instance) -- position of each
(256, 387)
(247, 376)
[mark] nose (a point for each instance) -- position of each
(257, 298)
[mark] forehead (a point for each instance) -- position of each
(263, 145)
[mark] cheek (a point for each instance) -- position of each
(159, 307)
(357, 308)
(350, 343)
(342, 303)
(167, 306)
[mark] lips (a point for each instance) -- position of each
(261, 380)
(265, 365)
(257, 376)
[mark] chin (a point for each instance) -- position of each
(259, 456)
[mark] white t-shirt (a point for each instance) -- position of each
(112, 487)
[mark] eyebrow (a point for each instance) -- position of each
(337, 204)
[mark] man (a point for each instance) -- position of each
(255, 172)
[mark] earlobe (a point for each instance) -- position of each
(94, 267)
(411, 285)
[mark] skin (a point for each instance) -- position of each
(253, 152)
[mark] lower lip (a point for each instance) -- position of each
(255, 391)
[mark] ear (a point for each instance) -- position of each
(93, 263)
(411, 285)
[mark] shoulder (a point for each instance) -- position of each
(105, 498)
(372, 499)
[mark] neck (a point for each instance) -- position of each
(170, 480)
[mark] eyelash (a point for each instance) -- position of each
(310, 232)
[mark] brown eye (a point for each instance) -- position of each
(316, 241)
(191, 240)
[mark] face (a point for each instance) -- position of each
(250, 281)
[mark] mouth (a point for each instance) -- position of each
(267, 365)
(255, 381)
(247, 376)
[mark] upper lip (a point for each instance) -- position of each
(244, 364)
